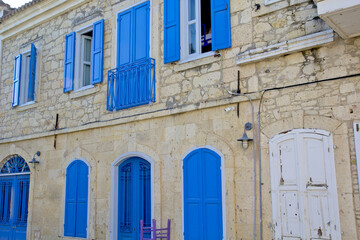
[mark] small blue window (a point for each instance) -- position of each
(76, 200)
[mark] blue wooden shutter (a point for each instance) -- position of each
(69, 62)
(82, 199)
(193, 222)
(17, 76)
(32, 72)
(70, 201)
(211, 171)
(171, 30)
(97, 52)
(124, 38)
(220, 22)
(140, 37)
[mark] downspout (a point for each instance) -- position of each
(253, 130)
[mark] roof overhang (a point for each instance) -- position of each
(342, 16)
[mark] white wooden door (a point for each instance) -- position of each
(304, 196)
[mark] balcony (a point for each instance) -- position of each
(342, 16)
(131, 85)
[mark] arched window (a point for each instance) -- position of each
(16, 164)
(76, 199)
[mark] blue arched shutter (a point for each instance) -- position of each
(171, 30)
(82, 198)
(202, 195)
(17, 76)
(220, 22)
(70, 201)
(69, 62)
(32, 72)
(97, 52)
(193, 196)
(211, 166)
(76, 202)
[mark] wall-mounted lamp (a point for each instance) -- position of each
(33, 161)
(245, 139)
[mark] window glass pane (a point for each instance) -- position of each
(192, 38)
(191, 10)
(86, 74)
(87, 49)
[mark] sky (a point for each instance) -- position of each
(16, 3)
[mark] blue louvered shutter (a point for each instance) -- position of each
(82, 199)
(17, 76)
(97, 52)
(171, 30)
(124, 38)
(32, 72)
(69, 62)
(70, 200)
(220, 22)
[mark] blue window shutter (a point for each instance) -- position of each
(32, 72)
(140, 37)
(82, 199)
(172, 30)
(17, 76)
(124, 38)
(220, 22)
(97, 52)
(70, 201)
(69, 62)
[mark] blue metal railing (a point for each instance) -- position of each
(131, 85)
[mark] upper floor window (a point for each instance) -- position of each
(199, 27)
(196, 30)
(24, 77)
(84, 57)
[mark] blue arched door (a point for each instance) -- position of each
(202, 196)
(134, 197)
(14, 197)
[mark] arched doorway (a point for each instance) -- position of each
(303, 186)
(134, 197)
(203, 210)
(14, 198)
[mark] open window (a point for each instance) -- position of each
(24, 77)
(84, 57)
(195, 27)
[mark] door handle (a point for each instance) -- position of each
(14, 227)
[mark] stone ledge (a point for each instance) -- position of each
(286, 47)
(26, 106)
(84, 92)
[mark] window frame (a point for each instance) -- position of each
(24, 77)
(88, 198)
(184, 32)
(79, 52)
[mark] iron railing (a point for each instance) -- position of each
(131, 85)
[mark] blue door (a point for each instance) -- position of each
(202, 196)
(14, 196)
(134, 197)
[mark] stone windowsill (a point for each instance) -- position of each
(26, 106)
(82, 92)
(286, 47)
(198, 61)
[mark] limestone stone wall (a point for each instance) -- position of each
(188, 112)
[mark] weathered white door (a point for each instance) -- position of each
(303, 186)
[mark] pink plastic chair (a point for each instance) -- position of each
(157, 233)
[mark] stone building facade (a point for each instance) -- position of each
(291, 70)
